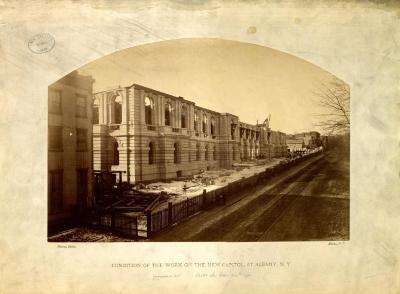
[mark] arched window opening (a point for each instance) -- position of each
(115, 154)
(215, 153)
(148, 110)
(205, 121)
(198, 152)
(183, 116)
(168, 114)
(95, 117)
(213, 126)
(196, 121)
(176, 153)
(151, 153)
(233, 131)
(118, 110)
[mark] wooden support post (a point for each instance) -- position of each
(148, 216)
(204, 205)
(169, 213)
(112, 221)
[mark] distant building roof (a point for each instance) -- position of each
(294, 141)
(77, 80)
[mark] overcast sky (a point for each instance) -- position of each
(247, 80)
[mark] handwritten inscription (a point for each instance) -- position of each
(202, 270)
(222, 275)
(170, 276)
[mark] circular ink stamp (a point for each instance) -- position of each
(41, 43)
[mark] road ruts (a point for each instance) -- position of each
(233, 222)
(251, 221)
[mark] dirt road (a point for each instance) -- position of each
(307, 202)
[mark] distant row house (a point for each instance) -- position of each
(295, 145)
(69, 146)
(303, 141)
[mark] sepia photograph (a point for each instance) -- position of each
(199, 146)
(198, 139)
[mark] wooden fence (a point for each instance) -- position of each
(176, 212)
(125, 224)
(134, 224)
(157, 221)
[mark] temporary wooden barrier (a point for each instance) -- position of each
(176, 212)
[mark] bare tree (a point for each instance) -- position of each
(334, 100)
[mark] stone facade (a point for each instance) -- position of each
(303, 141)
(295, 144)
(310, 140)
(69, 146)
(150, 135)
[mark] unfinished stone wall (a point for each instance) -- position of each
(153, 121)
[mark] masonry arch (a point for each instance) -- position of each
(177, 154)
(151, 153)
(215, 152)
(212, 125)
(148, 110)
(168, 114)
(205, 123)
(196, 121)
(198, 155)
(96, 111)
(115, 153)
(184, 114)
(117, 109)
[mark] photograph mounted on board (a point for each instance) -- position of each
(198, 140)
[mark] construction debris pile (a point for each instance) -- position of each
(175, 191)
(86, 235)
(133, 201)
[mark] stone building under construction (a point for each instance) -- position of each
(149, 136)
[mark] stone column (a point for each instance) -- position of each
(191, 118)
(104, 107)
(101, 109)
(178, 115)
(162, 109)
(110, 104)
(157, 110)
(124, 107)
(142, 107)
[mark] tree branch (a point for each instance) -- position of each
(335, 98)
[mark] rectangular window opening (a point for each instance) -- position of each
(81, 106)
(55, 186)
(81, 140)
(55, 103)
(55, 139)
